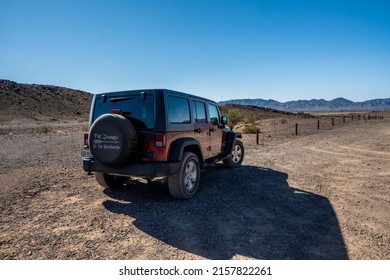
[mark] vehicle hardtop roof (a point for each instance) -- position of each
(155, 91)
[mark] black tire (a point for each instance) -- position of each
(110, 181)
(112, 140)
(237, 156)
(185, 183)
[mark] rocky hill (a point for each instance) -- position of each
(42, 102)
(316, 105)
(250, 111)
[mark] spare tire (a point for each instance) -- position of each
(112, 140)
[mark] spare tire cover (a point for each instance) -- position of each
(112, 139)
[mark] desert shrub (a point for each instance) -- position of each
(3, 120)
(283, 121)
(251, 129)
(251, 118)
(234, 117)
(84, 127)
(43, 129)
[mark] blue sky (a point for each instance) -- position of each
(282, 50)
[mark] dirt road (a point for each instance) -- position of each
(321, 196)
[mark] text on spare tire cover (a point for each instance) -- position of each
(105, 142)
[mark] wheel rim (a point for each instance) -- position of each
(236, 153)
(190, 176)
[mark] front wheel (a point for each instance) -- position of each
(185, 183)
(237, 156)
(110, 181)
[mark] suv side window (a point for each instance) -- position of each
(178, 110)
(200, 112)
(214, 114)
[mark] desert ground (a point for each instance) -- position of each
(319, 195)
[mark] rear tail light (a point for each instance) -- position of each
(86, 138)
(116, 111)
(159, 140)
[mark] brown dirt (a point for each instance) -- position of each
(321, 196)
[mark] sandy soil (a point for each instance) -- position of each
(320, 196)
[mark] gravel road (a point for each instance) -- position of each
(320, 196)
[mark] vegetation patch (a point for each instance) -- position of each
(84, 127)
(43, 129)
(250, 129)
(234, 117)
(3, 121)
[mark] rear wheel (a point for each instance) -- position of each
(185, 183)
(110, 181)
(237, 156)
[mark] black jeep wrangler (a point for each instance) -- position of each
(157, 133)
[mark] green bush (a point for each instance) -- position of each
(234, 117)
(251, 118)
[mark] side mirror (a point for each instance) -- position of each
(224, 120)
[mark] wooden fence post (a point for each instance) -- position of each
(296, 129)
(318, 125)
(332, 121)
(343, 119)
(257, 136)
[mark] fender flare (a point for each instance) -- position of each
(230, 138)
(178, 146)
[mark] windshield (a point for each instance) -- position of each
(140, 112)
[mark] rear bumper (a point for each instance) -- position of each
(144, 170)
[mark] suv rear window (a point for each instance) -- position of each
(178, 110)
(142, 111)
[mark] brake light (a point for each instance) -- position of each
(86, 138)
(116, 111)
(159, 140)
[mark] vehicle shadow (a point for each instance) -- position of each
(247, 211)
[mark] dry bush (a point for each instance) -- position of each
(84, 127)
(250, 129)
(43, 129)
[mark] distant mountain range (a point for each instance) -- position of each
(316, 105)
